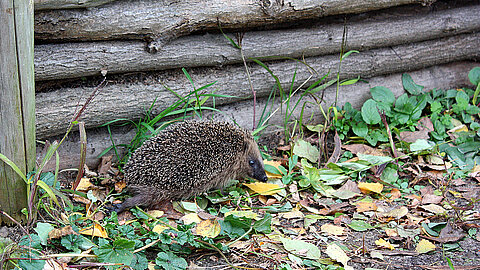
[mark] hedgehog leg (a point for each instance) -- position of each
(142, 196)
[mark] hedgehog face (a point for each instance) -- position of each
(256, 169)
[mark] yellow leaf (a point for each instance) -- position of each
(155, 213)
(275, 164)
(190, 218)
(208, 228)
(370, 187)
(159, 228)
(292, 214)
(264, 188)
(332, 229)
(84, 184)
(385, 244)
(336, 253)
(97, 230)
(425, 246)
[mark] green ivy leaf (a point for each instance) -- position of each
(170, 261)
(370, 112)
(410, 86)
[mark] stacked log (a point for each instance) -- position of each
(142, 44)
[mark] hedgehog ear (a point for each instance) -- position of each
(245, 146)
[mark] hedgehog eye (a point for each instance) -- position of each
(251, 162)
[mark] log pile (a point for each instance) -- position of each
(142, 44)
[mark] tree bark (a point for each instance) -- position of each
(73, 60)
(442, 77)
(166, 20)
(129, 100)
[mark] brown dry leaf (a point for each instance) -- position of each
(208, 228)
(60, 232)
(391, 232)
(105, 165)
(119, 186)
(275, 164)
(448, 234)
(264, 188)
(332, 229)
(430, 198)
(336, 150)
(394, 194)
(367, 188)
(96, 230)
(364, 149)
(366, 206)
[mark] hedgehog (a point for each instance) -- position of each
(187, 159)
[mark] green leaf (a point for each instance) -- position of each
(31, 264)
(382, 94)
(170, 261)
(374, 160)
(306, 150)
(410, 86)
(360, 128)
(13, 166)
(263, 225)
(420, 145)
(370, 112)
(301, 248)
(360, 225)
(76, 242)
(139, 262)
(42, 230)
(474, 76)
(32, 240)
(121, 251)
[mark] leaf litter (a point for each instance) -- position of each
(411, 203)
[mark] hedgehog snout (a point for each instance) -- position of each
(257, 170)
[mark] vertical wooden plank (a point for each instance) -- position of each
(17, 102)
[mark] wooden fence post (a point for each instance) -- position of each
(17, 103)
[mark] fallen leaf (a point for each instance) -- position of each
(208, 228)
(397, 212)
(301, 248)
(425, 246)
(367, 188)
(60, 232)
(433, 208)
(365, 206)
(264, 188)
(247, 214)
(332, 229)
(190, 218)
(275, 164)
(96, 230)
(384, 244)
(336, 253)
(306, 150)
(84, 184)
